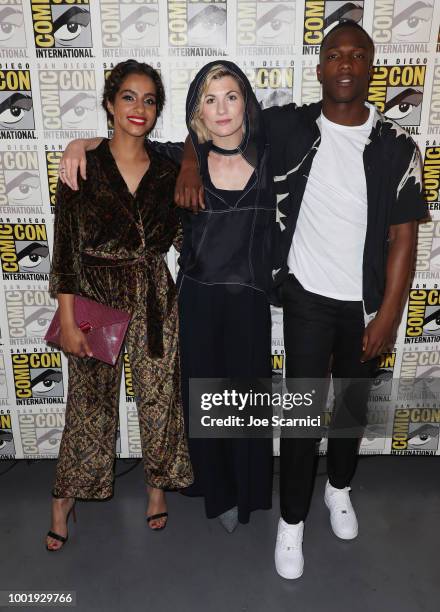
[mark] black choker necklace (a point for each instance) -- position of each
(221, 151)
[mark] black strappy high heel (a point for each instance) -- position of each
(57, 536)
(154, 517)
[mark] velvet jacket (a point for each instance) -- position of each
(103, 227)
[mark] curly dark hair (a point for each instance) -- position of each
(120, 72)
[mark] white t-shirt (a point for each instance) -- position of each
(328, 243)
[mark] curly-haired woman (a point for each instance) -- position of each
(110, 237)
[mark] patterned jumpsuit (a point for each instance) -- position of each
(109, 246)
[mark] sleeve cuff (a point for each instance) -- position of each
(402, 217)
(63, 283)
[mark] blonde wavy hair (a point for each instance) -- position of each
(216, 72)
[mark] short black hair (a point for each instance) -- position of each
(348, 23)
(120, 72)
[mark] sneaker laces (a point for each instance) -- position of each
(289, 540)
(341, 500)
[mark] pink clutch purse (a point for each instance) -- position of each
(105, 328)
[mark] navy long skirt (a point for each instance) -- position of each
(225, 331)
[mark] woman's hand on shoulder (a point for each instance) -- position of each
(74, 342)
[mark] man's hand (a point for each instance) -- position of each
(379, 336)
(74, 342)
(189, 192)
(380, 333)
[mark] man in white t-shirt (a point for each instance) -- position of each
(348, 193)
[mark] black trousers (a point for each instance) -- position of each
(320, 335)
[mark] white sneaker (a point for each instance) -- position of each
(342, 515)
(289, 560)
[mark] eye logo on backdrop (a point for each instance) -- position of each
(20, 191)
(29, 313)
(383, 377)
(132, 26)
(381, 393)
(415, 431)
(12, 30)
(397, 91)
(16, 105)
(41, 431)
(38, 378)
(423, 316)
(320, 17)
(197, 28)
(24, 251)
(265, 28)
(402, 26)
(62, 28)
(273, 86)
(376, 431)
(68, 103)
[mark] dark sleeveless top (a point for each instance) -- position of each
(228, 242)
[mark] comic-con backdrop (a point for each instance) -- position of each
(54, 55)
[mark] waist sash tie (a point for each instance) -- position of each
(154, 312)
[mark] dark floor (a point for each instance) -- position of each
(114, 562)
